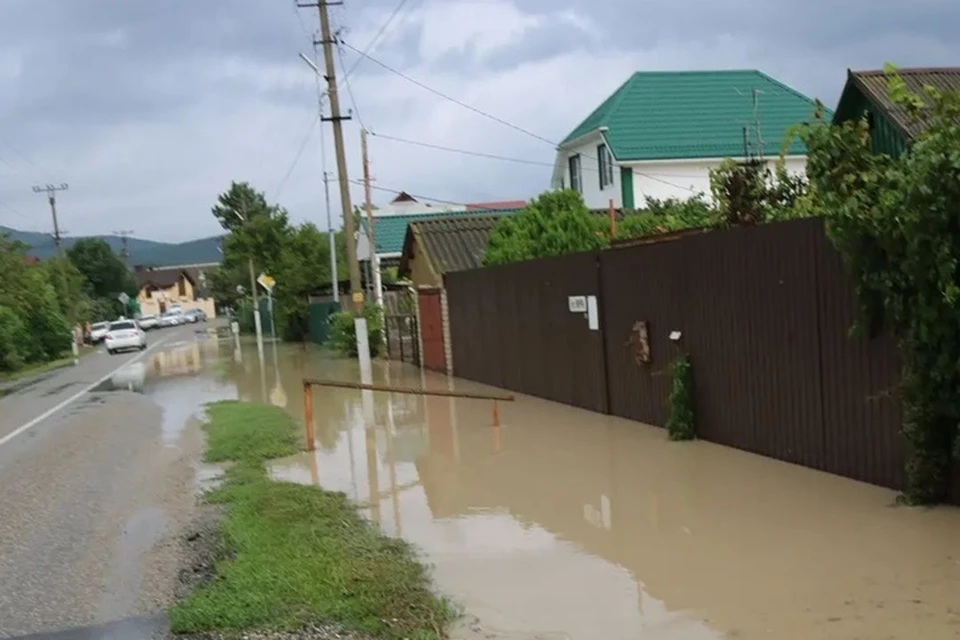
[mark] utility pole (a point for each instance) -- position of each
(374, 259)
(334, 276)
(51, 191)
(326, 39)
(124, 252)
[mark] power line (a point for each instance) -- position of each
(497, 119)
(449, 98)
(466, 152)
(346, 80)
(367, 49)
(296, 158)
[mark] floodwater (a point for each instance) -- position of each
(561, 523)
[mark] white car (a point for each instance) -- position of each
(170, 319)
(99, 331)
(125, 334)
(147, 322)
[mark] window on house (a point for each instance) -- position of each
(574, 164)
(605, 166)
(182, 286)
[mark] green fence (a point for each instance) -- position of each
(320, 313)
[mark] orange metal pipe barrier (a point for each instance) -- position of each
(308, 415)
(505, 397)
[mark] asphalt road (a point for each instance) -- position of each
(94, 491)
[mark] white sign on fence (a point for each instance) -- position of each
(577, 304)
(593, 315)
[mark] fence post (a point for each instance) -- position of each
(308, 415)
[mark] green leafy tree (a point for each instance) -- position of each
(105, 274)
(665, 216)
(298, 257)
(894, 220)
(239, 205)
(32, 326)
(553, 224)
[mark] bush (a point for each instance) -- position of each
(343, 335)
(680, 424)
(14, 338)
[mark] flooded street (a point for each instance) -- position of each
(557, 524)
(562, 523)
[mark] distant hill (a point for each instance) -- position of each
(145, 252)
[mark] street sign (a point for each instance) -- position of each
(123, 298)
(266, 281)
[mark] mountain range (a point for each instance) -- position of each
(142, 252)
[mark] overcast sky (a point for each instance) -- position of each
(149, 109)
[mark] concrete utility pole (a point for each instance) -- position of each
(368, 205)
(331, 234)
(326, 39)
(125, 252)
(51, 191)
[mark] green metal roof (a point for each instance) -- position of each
(391, 230)
(661, 115)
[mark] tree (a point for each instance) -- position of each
(894, 221)
(105, 274)
(298, 257)
(555, 223)
(665, 216)
(240, 204)
(32, 327)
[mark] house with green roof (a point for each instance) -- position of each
(659, 134)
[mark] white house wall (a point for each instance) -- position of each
(684, 178)
(593, 196)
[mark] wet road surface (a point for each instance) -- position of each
(97, 474)
(558, 524)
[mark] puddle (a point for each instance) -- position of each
(141, 531)
(562, 523)
(209, 477)
(130, 377)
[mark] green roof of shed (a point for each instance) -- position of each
(391, 230)
(662, 115)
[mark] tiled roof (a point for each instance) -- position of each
(390, 230)
(660, 115)
(164, 277)
(873, 85)
(450, 244)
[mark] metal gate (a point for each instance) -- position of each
(402, 343)
(431, 330)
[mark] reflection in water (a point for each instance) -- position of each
(564, 523)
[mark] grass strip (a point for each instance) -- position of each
(44, 367)
(298, 555)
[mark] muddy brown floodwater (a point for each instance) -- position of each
(563, 523)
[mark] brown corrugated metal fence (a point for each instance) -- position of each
(764, 314)
(510, 326)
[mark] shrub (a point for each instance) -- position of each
(343, 335)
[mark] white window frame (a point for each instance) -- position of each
(605, 166)
(576, 179)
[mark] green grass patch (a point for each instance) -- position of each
(295, 555)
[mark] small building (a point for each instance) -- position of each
(866, 95)
(162, 288)
(661, 133)
(432, 248)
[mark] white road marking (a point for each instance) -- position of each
(49, 412)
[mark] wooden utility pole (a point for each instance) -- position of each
(51, 191)
(326, 39)
(371, 237)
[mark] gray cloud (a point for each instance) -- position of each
(149, 109)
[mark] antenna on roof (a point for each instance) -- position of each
(755, 99)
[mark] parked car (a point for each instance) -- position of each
(147, 322)
(125, 334)
(170, 319)
(195, 315)
(99, 331)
